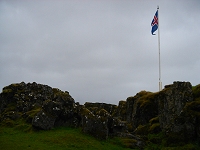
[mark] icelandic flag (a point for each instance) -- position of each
(154, 23)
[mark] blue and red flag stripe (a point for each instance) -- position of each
(154, 23)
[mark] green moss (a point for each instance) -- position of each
(142, 129)
(122, 103)
(58, 92)
(147, 101)
(124, 142)
(6, 91)
(55, 90)
(103, 115)
(86, 112)
(156, 138)
(130, 127)
(103, 112)
(196, 91)
(31, 114)
(130, 143)
(154, 128)
(94, 110)
(142, 93)
(193, 108)
(8, 123)
(15, 84)
(10, 107)
(154, 120)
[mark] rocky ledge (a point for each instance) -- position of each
(174, 112)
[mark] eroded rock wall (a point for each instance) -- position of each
(173, 118)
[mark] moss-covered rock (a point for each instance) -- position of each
(174, 120)
(142, 129)
(193, 108)
(110, 108)
(43, 121)
(95, 125)
(141, 108)
(121, 111)
(36, 99)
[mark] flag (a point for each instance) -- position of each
(154, 23)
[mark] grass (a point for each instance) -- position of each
(59, 139)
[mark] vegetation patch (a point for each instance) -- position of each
(154, 128)
(58, 138)
(196, 91)
(142, 129)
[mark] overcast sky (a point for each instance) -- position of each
(99, 50)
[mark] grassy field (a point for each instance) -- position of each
(22, 137)
(59, 139)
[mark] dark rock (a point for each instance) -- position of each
(43, 121)
(70, 116)
(29, 99)
(174, 120)
(110, 108)
(121, 110)
(141, 108)
(154, 126)
(52, 108)
(95, 125)
(115, 126)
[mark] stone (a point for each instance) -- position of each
(110, 108)
(174, 120)
(95, 125)
(43, 121)
(51, 104)
(116, 126)
(121, 111)
(141, 108)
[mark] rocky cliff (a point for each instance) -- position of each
(174, 112)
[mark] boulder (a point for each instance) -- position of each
(43, 121)
(40, 104)
(95, 125)
(116, 126)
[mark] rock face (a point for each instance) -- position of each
(141, 108)
(121, 111)
(173, 118)
(48, 106)
(98, 119)
(98, 106)
(43, 121)
(175, 111)
(95, 125)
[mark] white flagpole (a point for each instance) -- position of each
(160, 83)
